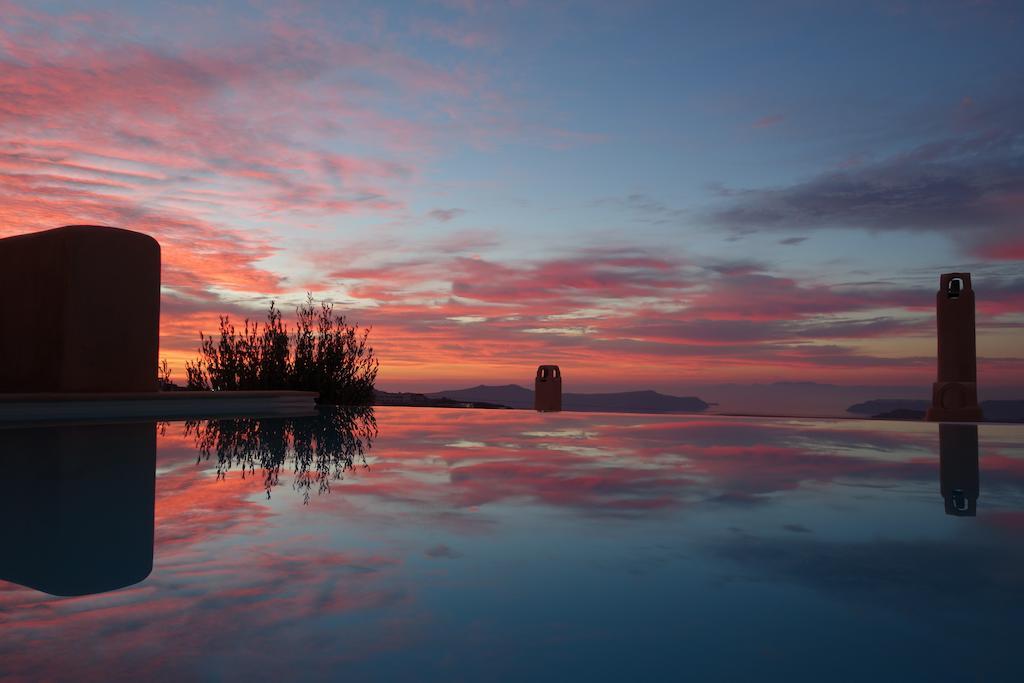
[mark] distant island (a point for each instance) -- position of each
(914, 409)
(406, 398)
(517, 397)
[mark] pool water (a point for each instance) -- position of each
(438, 544)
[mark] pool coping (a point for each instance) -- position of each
(157, 405)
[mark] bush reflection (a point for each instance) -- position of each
(317, 449)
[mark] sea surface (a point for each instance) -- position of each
(471, 545)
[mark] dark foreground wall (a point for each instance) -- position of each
(80, 311)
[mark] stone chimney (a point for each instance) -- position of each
(547, 389)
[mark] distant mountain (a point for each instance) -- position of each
(515, 396)
(901, 414)
(885, 405)
(633, 402)
(511, 395)
(404, 398)
(806, 399)
(1003, 411)
(911, 409)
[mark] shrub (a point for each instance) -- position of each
(326, 355)
(163, 379)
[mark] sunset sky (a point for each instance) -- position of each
(650, 194)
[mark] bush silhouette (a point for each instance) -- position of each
(326, 354)
(163, 379)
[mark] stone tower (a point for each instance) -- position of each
(955, 393)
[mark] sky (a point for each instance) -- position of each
(649, 194)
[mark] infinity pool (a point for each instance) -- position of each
(431, 544)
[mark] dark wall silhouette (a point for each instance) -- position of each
(81, 311)
(78, 504)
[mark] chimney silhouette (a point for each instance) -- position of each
(955, 393)
(547, 389)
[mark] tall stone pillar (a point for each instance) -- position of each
(955, 393)
(547, 389)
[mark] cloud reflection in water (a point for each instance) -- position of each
(475, 539)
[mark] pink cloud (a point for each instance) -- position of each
(457, 36)
(173, 142)
(437, 314)
(768, 121)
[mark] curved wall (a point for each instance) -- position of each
(81, 311)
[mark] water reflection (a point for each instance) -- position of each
(958, 468)
(78, 500)
(317, 449)
(77, 506)
(495, 539)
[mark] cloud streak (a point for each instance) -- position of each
(970, 189)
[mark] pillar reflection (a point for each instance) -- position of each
(958, 468)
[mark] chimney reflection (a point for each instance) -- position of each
(958, 468)
(77, 506)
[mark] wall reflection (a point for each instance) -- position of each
(78, 506)
(79, 500)
(958, 468)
